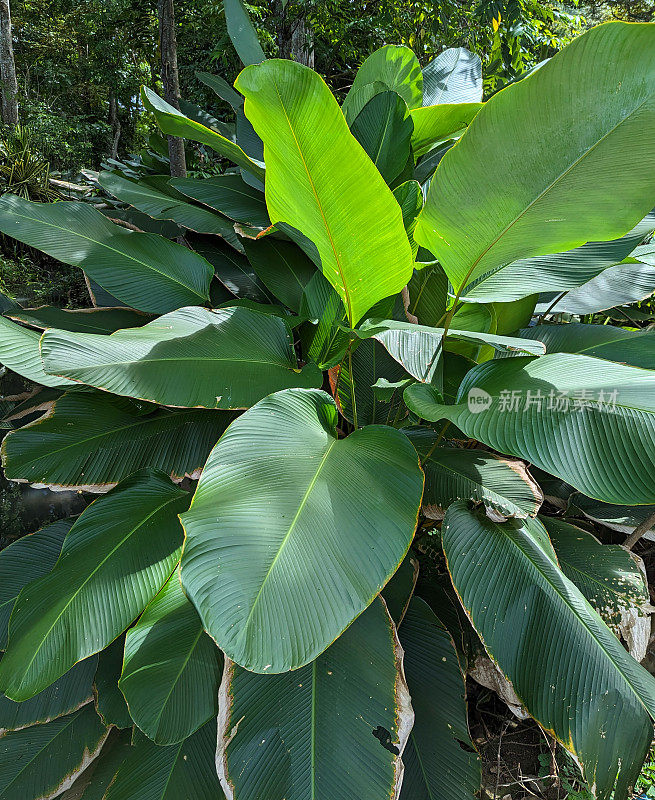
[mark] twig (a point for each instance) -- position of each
(436, 442)
(639, 531)
(550, 308)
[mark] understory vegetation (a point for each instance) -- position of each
(328, 460)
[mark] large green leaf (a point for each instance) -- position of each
(183, 771)
(428, 293)
(242, 33)
(384, 129)
(607, 574)
(454, 76)
(439, 758)
(24, 561)
(171, 669)
(586, 420)
(159, 205)
(347, 211)
(82, 320)
(517, 176)
(283, 268)
(452, 473)
(174, 123)
(19, 351)
(433, 124)
(304, 529)
(94, 440)
(114, 560)
(418, 348)
(143, 270)
(228, 358)
(636, 348)
(616, 286)
(72, 691)
(558, 271)
(228, 194)
(40, 762)
(396, 68)
(332, 730)
(567, 667)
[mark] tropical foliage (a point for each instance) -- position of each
(299, 374)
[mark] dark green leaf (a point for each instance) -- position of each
(183, 771)
(171, 670)
(567, 667)
(143, 270)
(94, 440)
(41, 761)
(439, 758)
(331, 730)
(228, 358)
(24, 561)
(305, 529)
(114, 560)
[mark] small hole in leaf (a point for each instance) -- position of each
(384, 737)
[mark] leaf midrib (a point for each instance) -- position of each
(93, 572)
(319, 205)
(575, 613)
(68, 232)
(548, 188)
(287, 535)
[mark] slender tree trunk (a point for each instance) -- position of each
(7, 68)
(171, 80)
(115, 123)
(295, 38)
(302, 43)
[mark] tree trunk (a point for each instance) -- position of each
(115, 123)
(302, 43)
(171, 80)
(295, 38)
(9, 97)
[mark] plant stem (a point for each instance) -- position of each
(639, 531)
(436, 442)
(550, 307)
(353, 402)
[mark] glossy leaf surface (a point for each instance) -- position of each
(595, 424)
(114, 560)
(171, 670)
(228, 358)
(321, 182)
(305, 529)
(542, 145)
(346, 713)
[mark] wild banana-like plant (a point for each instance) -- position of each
(338, 379)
